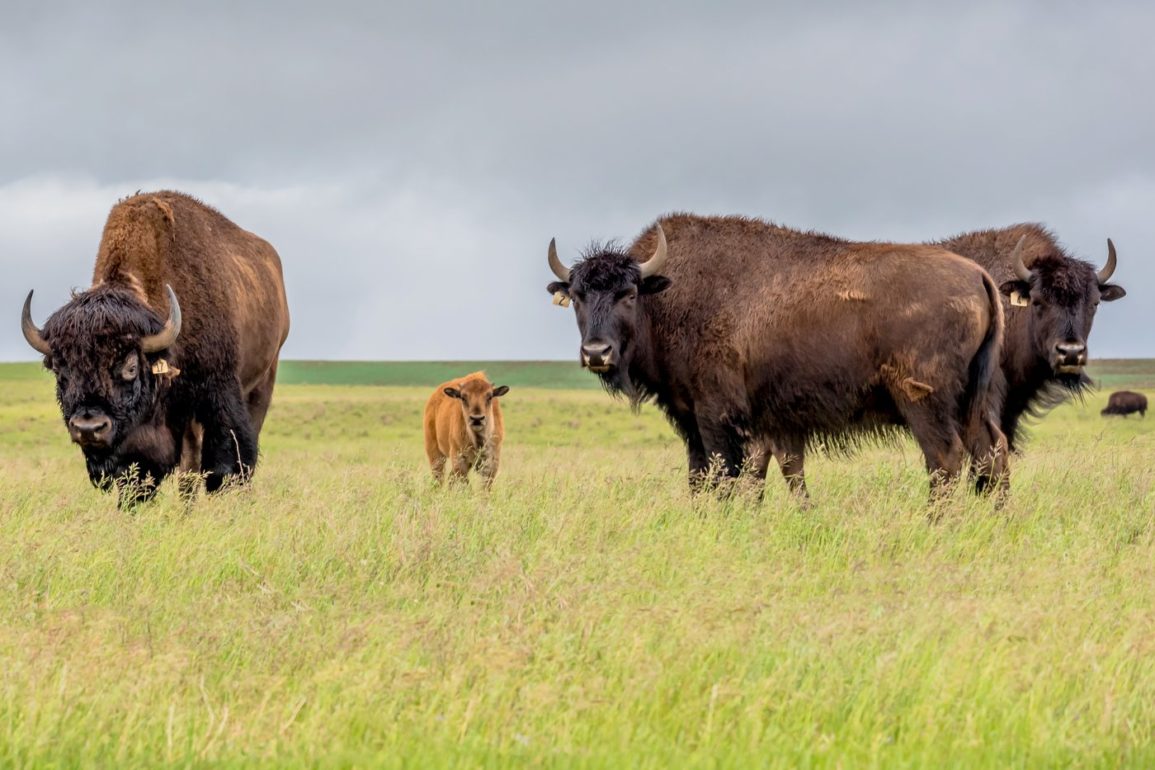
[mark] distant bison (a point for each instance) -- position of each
(148, 382)
(744, 332)
(463, 425)
(1126, 402)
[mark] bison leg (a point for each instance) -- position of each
(188, 481)
(989, 453)
(699, 464)
(260, 398)
(229, 445)
(725, 448)
(791, 456)
(939, 441)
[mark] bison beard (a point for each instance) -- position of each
(755, 334)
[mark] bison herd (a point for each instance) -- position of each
(757, 342)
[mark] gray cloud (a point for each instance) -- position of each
(411, 163)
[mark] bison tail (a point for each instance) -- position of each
(985, 389)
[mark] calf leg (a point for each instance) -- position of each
(489, 464)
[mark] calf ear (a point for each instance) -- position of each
(1110, 292)
(500, 390)
(655, 284)
(453, 392)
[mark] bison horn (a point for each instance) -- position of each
(166, 336)
(653, 265)
(556, 265)
(1017, 261)
(31, 332)
(1104, 275)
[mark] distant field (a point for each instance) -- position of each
(587, 613)
(1110, 373)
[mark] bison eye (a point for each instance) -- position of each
(129, 371)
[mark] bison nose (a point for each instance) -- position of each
(1071, 351)
(88, 428)
(477, 420)
(597, 354)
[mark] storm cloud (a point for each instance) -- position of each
(411, 163)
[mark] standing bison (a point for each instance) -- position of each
(169, 359)
(1125, 402)
(1050, 300)
(743, 332)
(463, 426)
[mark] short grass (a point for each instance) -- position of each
(587, 613)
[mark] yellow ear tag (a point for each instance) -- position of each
(162, 369)
(560, 299)
(1018, 300)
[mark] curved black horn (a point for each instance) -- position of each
(653, 265)
(166, 336)
(556, 265)
(1108, 270)
(31, 331)
(1017, 261)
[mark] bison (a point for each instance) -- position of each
(1126, 402)
(742, 332)
(168, 360)
(1050, 300)
(463, 425)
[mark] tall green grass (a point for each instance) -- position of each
(588, 612)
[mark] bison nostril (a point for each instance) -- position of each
(1071, 348)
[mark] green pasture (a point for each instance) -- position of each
(344, 612)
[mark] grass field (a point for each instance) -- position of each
(342, 612)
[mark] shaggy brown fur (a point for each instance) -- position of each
(755, 332)
(1062, 297)
(463, 425)
(231, 292)
(1125, 402)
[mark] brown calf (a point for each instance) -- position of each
(463, 425)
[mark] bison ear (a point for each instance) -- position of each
(558, 287)
(1018, 291)
(500, 390)
(1110, 292)
(453, 392)
(655, 284)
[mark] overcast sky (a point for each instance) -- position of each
(410, 162)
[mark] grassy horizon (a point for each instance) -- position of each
(588, 613)
(559, 374)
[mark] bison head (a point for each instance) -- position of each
(1062, 295)
(604, 288)
(476, 397)
(102, 347)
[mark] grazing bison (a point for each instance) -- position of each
(463, 425)
(1126, 402)
(743, 332)
(169, 359)
(1050, 300)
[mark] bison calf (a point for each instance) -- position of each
(463, 425)
(1126, 402)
